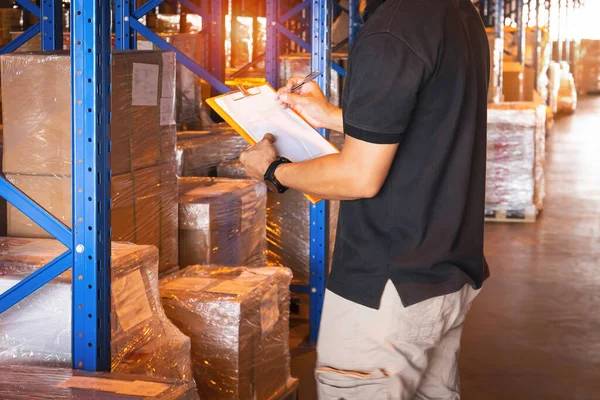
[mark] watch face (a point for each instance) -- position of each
(271, 186)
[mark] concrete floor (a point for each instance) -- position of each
(534, 331)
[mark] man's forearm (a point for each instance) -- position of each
(335, 121)
(326, 177)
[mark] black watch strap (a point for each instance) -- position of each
(272, 183)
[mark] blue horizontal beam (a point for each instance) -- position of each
(34, 211)
(293, 11)
(182, 58)
(300, 288)
(21, 39)
(196, 10)
(29, 6)
(338, 68)
(293, 37)
(35, 281)
(146, 8)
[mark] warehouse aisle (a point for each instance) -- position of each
(534, 331)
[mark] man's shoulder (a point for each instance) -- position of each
(418, 24)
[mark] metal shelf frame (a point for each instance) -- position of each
(88, 241)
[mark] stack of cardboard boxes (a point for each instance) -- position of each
(37, 144)
(515, 158)
(37, 331)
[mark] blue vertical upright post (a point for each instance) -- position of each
(499, 33)
(216, 56)
(320, 61)
(90, 74)
(521, 32)
(272, 43)
(125, 37)
(51, 24)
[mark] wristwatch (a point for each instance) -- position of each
(272, 183)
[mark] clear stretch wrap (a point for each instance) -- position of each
(588, 68)
(199, 152)
(567, 94)
(238, 321)
(37, 144)
(288, 226)
(37, 331)
(515, 157)
(299, 65)
(554, 77)
(19, 382)
(222, 221)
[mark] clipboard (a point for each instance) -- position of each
(253, 112)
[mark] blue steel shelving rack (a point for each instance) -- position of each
(127, 23)
(88, 241)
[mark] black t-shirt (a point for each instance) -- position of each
(417, 75)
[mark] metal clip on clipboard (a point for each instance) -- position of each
(245, 92)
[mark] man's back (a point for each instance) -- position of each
(417, 76)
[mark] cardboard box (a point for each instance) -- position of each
(199, 152)
(38, 330)
(222, 222)
(238, 321)
(144, 208)
(37, 119)
(512, 85)
(288, 224)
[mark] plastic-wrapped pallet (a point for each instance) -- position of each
(199, 152)
(222, 221)
(567, 94)
(41, 383)
(37, 144)
(238, 321)
(37, 330)
(515, 159)
(288, 226)
(299, 65)
(554, 76)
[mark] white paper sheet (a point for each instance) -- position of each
(261, 114)
(145, 85)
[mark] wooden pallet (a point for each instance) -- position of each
(288, 392)
(505, 215)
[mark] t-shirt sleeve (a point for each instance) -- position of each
(383, 84)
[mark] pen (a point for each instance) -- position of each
(307, 78)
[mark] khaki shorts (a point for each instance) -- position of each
(395, 352)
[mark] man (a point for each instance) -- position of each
(408, 257)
